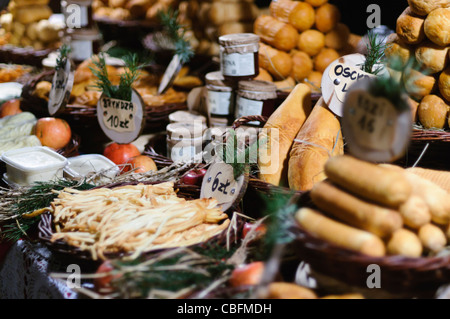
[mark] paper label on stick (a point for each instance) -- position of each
(170, 74)
(62, 85)
(122, 121)
(219, 183)
(374, 129)
(339, 76)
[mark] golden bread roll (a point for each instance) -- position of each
(424, 7)
(432, 57)
(419, 85)
(138, 8)
(33, 13)
(325, 57)
(437, 26)
(414, 106)
(405, 243)
(300, 15)
(432, 112)
(316, 3)
(278, 34)
(444, 84)
(338, 37)
(277, 62)
(339, 233)
(432, 237)
(397, 51)
(355, 211)
(302, 66)
(314, 81)
(285, 290)
(415, 212)
(410, 27)
(311, 41)
(319, 139)
(327, 17)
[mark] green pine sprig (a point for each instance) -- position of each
(63, 56)
(374, 57)
(177, 33)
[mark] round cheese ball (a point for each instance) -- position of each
(302, 66)
(338, 37)
(311, 41)
(324, 59)
(316, 3)
(327, 17)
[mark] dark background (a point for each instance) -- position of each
(353, 11)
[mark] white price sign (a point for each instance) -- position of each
(171, 73)
(122, 121)
(374, 129)
(219, 183)
(62, 85)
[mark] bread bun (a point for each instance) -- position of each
(444, 84)
(302, 65)
(417, 84)
(324, 59)
(397, 51)
(338, 37)
(327, 17)
(424, 7)
(316, 3)
(410, 27)
(432, 57)
(311, 41)
(432, 112)
(437, 26)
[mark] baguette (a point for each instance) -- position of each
(277, 62)
(356, 212)
(287, 120)
(375, 183)
(415, 212)
(340, 234)
(405, 243)
(432, 238)
(319, 139)
(278, 34)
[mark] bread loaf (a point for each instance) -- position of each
(414, 106)
(370, 181)
(397, 51)
(319, 139)
(280, 131)
(311, 41)
(410, 27)
(278, 34)
(277, 62)
(302, 66)
(300, 15)
(415, 212)
(405, 243)
(424, 7)
(432, 112)
(444, 83)
(417, 84)
(33, 13)
(340, 234)
(437, 26)
(327, 17)
(354, 211)
(438, 177)
(432, 238)
(432, 57)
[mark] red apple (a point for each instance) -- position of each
(102, 283)
(260, 230)
(140, 164)
(194, 177)
(120, 153)
(248, 274)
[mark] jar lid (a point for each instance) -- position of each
(84, 34)
(185, 130)
(186, 116)
(217, 79)
(257, 89)
(238, 39)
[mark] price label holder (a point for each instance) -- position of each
(121, 121)
(219, 183)
(170, 74)
(62, 85)
(373, 128)
(338, 77)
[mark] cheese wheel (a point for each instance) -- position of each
(300, 15)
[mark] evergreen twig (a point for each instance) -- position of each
(375, 53)
(62, 58)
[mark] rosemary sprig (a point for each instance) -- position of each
(375, 53)
(122, 91)
(176, 32)
(62, 58)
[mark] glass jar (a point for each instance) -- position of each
(185, 141)
(220, 97)
(239, 56)
(186, 116)
(256, 98)
(77, 13)
(83, 43)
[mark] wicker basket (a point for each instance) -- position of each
(26, 56)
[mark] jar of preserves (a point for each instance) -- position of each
(220, 97)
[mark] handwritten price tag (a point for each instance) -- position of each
(339, 76)
(219, 183)
(62, 85)
(373, 128)
(122, 121)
